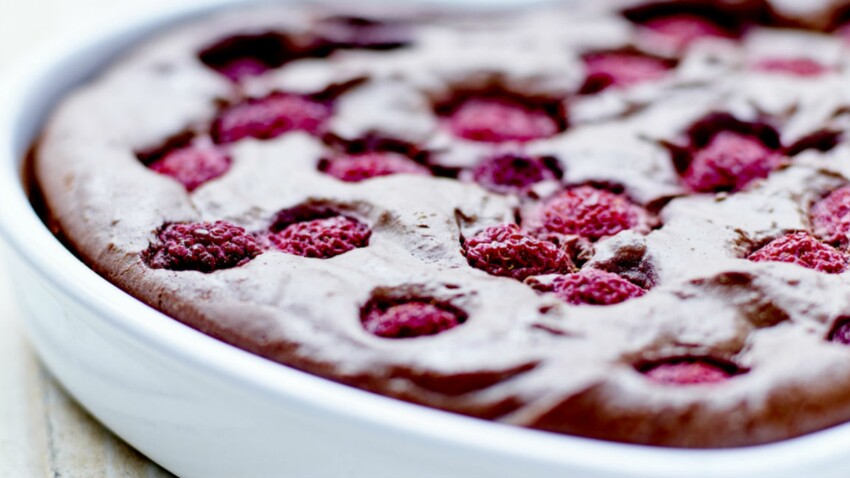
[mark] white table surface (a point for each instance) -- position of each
(43, 433)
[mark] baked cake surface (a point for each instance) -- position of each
(620, 219)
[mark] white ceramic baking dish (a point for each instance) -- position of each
(204, 409)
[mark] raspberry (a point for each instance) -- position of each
(687, 372)
(322, 238)
(359, 167)
(506, 250)
(595, 287)
(411, 319)
(802, 67)
(589, 213)
(501, 119)
(240, 56)
(620, 70)
(270, 117)
(831, 217)
(841, 333)
(804, 250)
(730, 162)
(683, 29)
(511, 173)
(204, 247)
(193, 165)
(242, 68)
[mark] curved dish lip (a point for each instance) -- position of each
(28, 92)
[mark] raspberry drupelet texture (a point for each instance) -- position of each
(687, 372)
(595, 287)
(360, 167)
(322, 238)
(505, 250)
(800, 67)
(587, 212)
(729, 163)
(205, 247)
(500, 119)
(621, 69)
(511, 173)
(415, 318)
(804, 250)
(270, 117)
(193, 166)
(681, 30)
(831, 217)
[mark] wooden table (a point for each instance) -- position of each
(43, 433)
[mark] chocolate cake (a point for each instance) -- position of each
(623, 220)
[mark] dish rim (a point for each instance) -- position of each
(27, 93)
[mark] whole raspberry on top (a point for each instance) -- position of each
(499, 119)
(595, 287)
(682, 29)
(322, 238)
(193, 165)
(730, 162)
(270, 117)
(831, 217)
(414, 318)
(204, 247)
(802, 67)
(360, 167)
(621, 69)
(587, 212)
(510, 173)
(505, 250)
(804, 250)
(687, 372)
